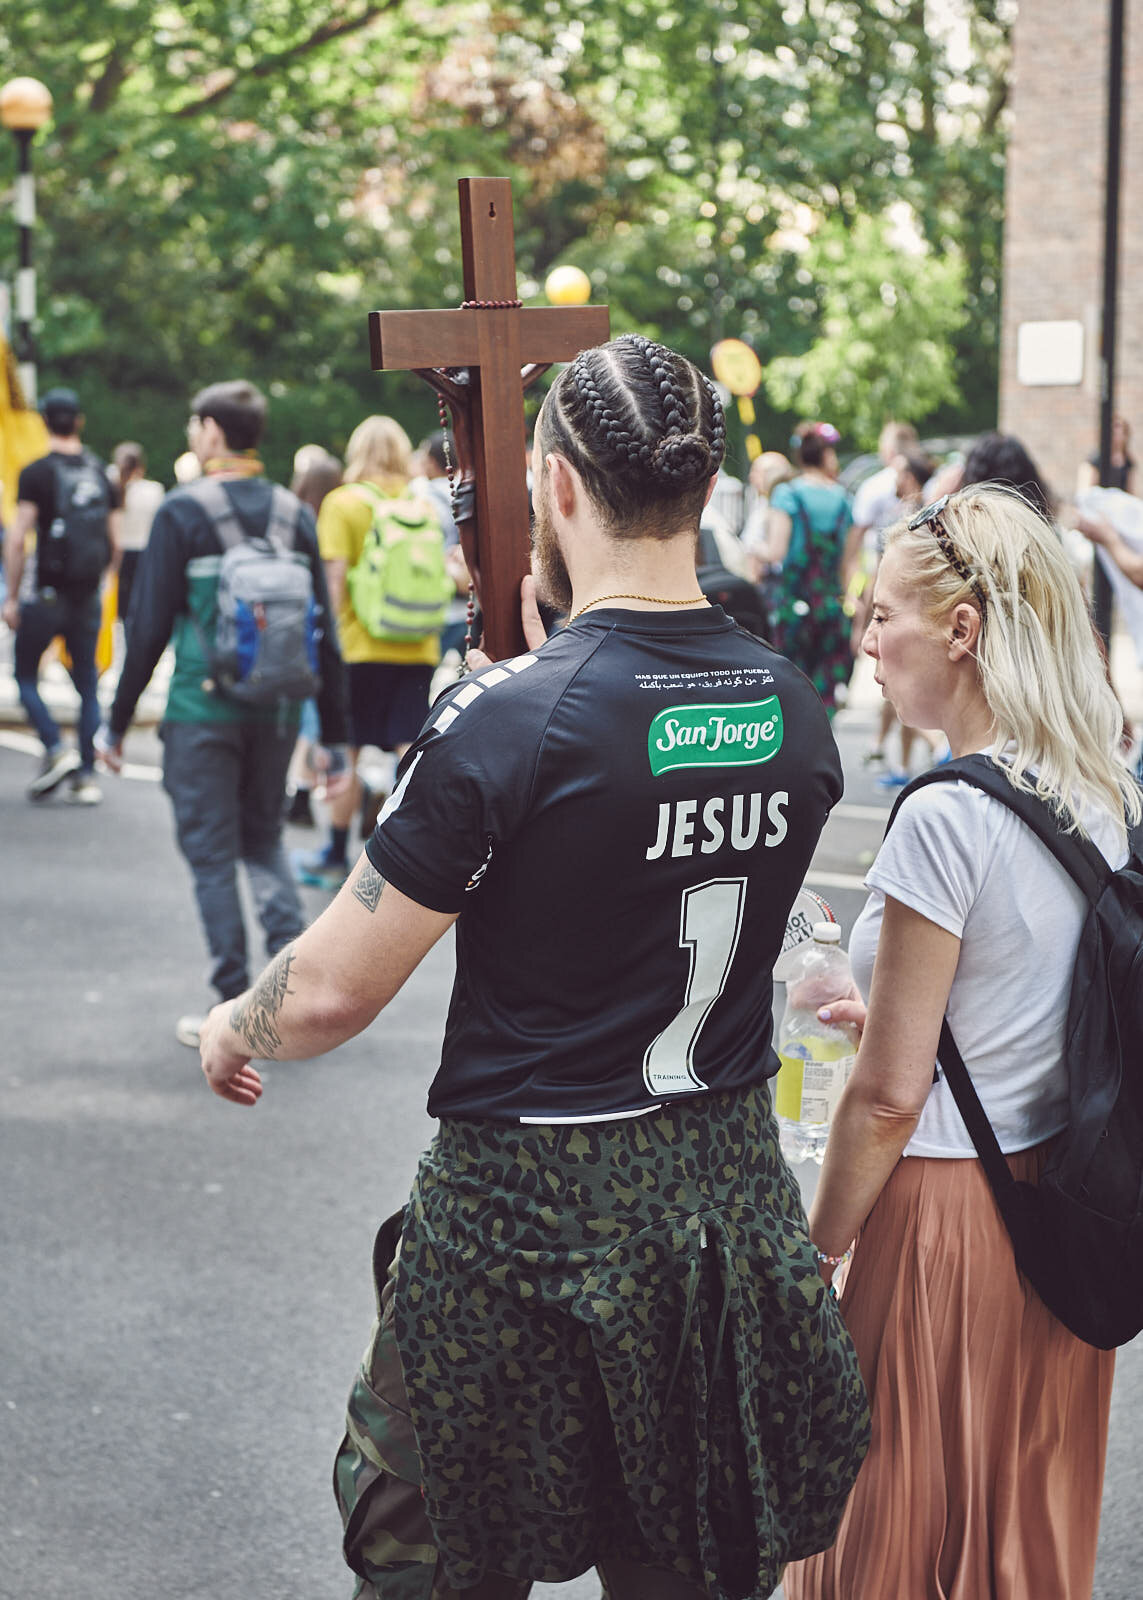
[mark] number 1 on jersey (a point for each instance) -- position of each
(709, 927)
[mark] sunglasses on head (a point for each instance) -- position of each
(930, 517)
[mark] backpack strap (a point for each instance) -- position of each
(281, 523)
(214, 500)
(407, 510)
(1086, 866)
(371, 493)
(1078, 856)
(973, 1114)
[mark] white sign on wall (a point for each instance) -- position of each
(1049, 353)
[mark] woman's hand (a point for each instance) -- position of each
(849, 1008)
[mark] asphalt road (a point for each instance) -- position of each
(185, 1286)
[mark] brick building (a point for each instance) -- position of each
(1053, 248)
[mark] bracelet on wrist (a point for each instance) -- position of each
(833, 1261)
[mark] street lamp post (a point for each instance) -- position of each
(1101, 584)
(25, 105)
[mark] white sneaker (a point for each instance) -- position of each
(188, 1030)
(83, 790)
(55, 767)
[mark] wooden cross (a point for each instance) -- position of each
(480, 359)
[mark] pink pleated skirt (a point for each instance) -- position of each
(985, 1474)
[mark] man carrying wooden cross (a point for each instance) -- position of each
(602, 1339)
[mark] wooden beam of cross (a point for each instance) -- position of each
(480, 359)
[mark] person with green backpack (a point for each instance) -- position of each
(384, 557)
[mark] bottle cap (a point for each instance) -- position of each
(827, 933)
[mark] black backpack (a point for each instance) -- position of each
(73, 551)
(738, 597)
(1078, 1234)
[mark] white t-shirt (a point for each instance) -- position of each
(143, 498)
(970, 865)
(876, 506)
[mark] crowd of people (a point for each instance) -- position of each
(88, 536)
(607, 1332)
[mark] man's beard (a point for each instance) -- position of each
(553, 585)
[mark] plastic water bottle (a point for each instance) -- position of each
(816, 1057)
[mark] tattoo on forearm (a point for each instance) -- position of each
(254, 1017)
(368, 885)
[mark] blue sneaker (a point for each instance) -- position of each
(893, 780)
(319, 869)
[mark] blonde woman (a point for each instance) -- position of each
(388, 679)
(989, 1417)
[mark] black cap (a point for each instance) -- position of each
(60, 400)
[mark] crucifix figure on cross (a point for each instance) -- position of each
(480, 359)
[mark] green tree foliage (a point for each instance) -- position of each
(738, 128)
(884, 345)
(229, 189)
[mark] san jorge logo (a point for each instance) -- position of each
(715, 736)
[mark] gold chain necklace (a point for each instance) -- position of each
(651, 599)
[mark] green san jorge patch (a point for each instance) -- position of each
(715, 736)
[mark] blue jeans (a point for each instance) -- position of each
(77, 622)
(227, 781)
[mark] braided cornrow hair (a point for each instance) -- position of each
(644, 429)
(618, 437)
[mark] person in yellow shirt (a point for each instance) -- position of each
(389, 679)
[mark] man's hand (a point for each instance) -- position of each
(534, 630)
(11, 612)
(227, 1070)
(109, 749)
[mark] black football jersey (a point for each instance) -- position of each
(622, 819)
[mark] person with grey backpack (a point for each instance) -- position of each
(231, 577)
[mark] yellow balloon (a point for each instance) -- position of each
(567, 286)
(734, 363)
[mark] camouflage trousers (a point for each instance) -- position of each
(615, 1347)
